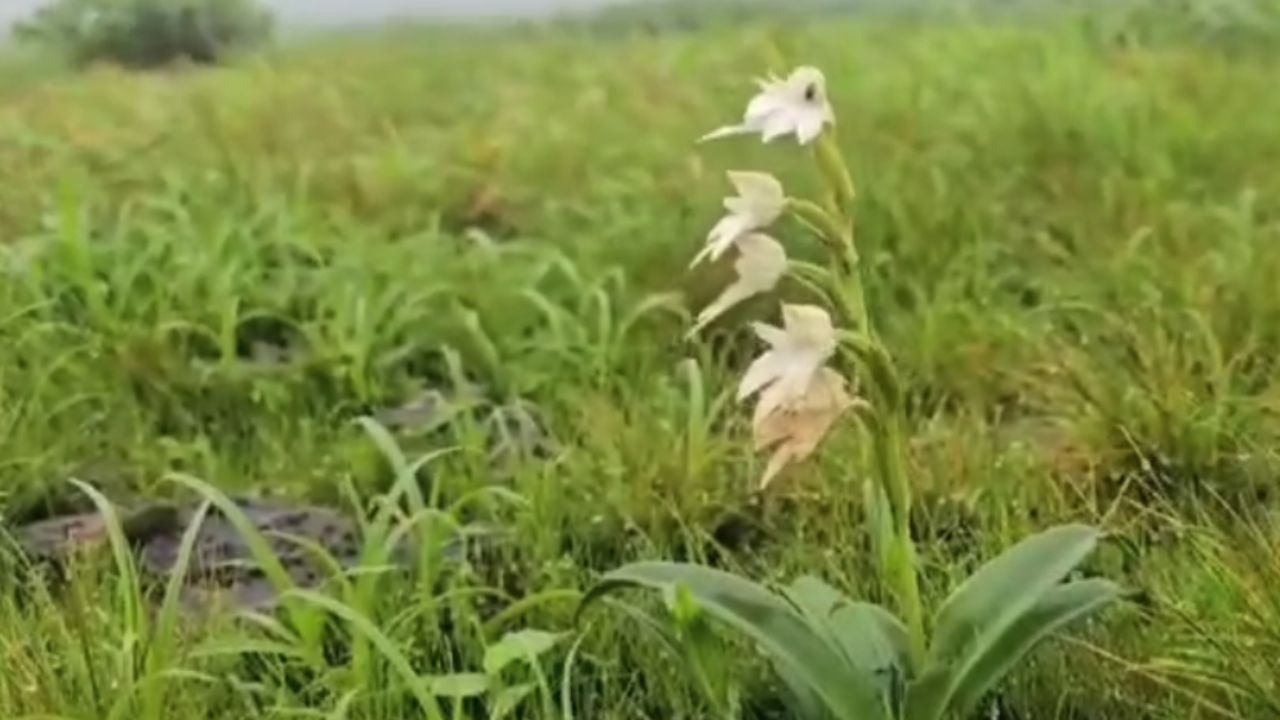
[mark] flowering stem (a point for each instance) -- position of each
(898, 559)
(830, 160)
(837, 234)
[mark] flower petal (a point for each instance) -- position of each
(774, 336)
(759, 189)
(722, 237)
(726, 131)
(773, 397)
(731, 296)
(777, 125)
(803, 345)
(771, 102)
(761, 264)
(811, 327)
(796, 429)
(763, 370)
(760, 201)
(809, 127)
(796, 105)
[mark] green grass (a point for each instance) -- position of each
(1072, 246)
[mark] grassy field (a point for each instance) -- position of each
(1072, 238)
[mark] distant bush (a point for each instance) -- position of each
(148, 33)
(1232, 25)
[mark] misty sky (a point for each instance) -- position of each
(309, 12)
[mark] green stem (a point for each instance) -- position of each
(899, 559)
(836, 232)
(827, 226)
(899, 562)
(852, 295)
(827, 152)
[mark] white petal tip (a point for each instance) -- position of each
(724, 132)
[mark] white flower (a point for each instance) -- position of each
(759, 202)
(761, 263)
(797, 105)
(795, 429)
(796, 352)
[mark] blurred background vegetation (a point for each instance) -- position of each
(147, 33)
(1070, 214)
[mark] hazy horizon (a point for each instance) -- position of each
(339, 12)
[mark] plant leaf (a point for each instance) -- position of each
(506, 701)
(524, 645)
(927, 696)
(1055, 610)
(771, 622)
(813, 596)
(975, 620)
(875, 640)
(803, 701)
(867, 635)
(1000, 592)
(459, 685)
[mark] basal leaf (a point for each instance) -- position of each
(1061, 606)
(873, 639)
(813, 596)
(978, 624)
(770, 621)
(995, 596)
(867, 635)
(928, 695)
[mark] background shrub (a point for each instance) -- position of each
(148, 33)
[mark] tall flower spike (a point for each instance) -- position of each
(759, 202)
(796, 351)
(796, 105)
(761, 263)
(795, 429)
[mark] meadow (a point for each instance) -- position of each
(1071, 233)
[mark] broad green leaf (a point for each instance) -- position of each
(1055, 610)
(459, 685)
(803, 701)
(813, 596)
(524, 645)
(867, 635)
(509, 699)
(1000, 592)
(975, 620)
(928, 695)
(770, 621)
(873, 639)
